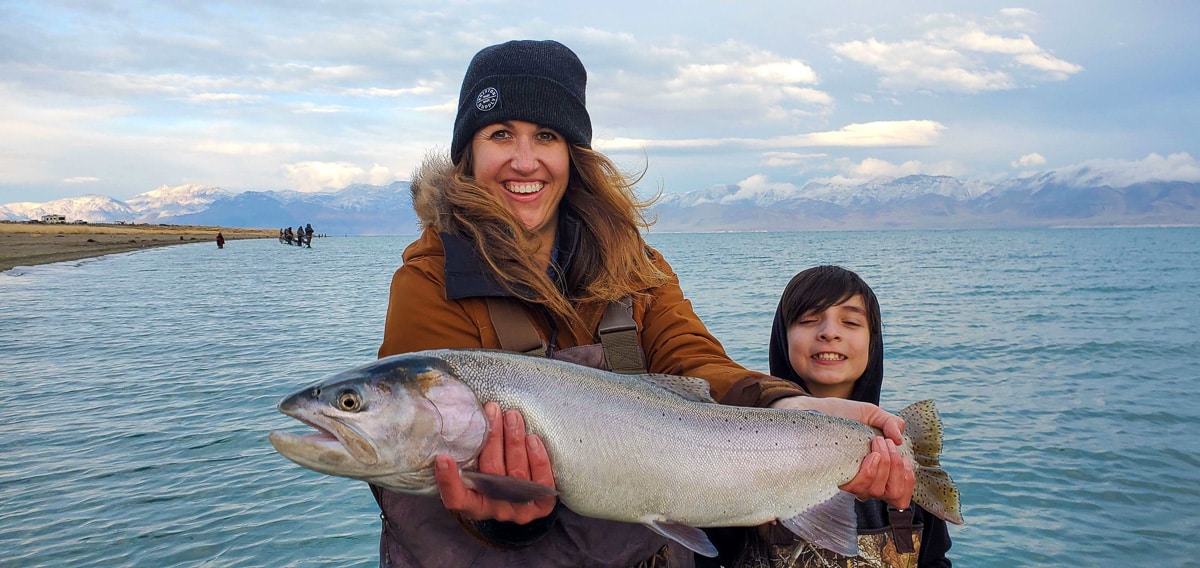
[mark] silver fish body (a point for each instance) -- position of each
(650, 449)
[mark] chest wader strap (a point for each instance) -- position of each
(619, 336)
(513, 327)
(902, 529)
(617, 331)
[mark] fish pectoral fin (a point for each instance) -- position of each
(832, 525)
(691, 537)
(506, 488)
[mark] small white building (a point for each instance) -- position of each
(53, 219)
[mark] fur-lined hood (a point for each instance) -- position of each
(428, 193)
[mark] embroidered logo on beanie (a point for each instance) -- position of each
(487, 99)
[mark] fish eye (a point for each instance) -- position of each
(349, 401)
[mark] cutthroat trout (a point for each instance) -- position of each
(650, 449)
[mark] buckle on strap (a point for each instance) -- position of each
(901, 522)
(619, 335)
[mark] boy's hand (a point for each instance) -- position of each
(884, 473)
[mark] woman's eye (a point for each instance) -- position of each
(500, 135)
(547, 136)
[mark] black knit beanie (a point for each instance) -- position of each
(542, 82)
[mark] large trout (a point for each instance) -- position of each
(650, 449)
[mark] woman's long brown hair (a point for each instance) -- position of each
(611, 261)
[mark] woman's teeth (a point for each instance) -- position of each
(530, 187)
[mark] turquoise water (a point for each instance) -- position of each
(138, 389)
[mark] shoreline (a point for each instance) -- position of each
(31, 244)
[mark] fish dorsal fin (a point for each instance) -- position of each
(506, 488)
(691, 537)
(831, 525)
(689, 388)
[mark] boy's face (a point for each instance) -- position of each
(830, 349)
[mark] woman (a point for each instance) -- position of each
(525, 214)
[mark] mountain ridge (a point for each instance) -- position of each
(1047, 199)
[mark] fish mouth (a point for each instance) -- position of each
(334, 440)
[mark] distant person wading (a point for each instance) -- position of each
(301, 236)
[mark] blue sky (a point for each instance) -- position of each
(118, 98)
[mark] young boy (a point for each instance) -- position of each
(828, 338)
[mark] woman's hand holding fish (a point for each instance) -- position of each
(507, 451)
(884, 474)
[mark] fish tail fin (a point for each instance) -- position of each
(934, 490)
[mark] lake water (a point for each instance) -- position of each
(138, 389)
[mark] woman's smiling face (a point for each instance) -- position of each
(527, 166)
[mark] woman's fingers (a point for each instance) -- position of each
(507, 451)
(516, 459)
(491, 457)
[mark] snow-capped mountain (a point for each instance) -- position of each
(169, 201)
(149, 207)
(1062, 197)
(881, 190)
(90, 208)
(356, 209)
(1049, 199)
(353, 210)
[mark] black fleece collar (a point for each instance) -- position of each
(467, 276)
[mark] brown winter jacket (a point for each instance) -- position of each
(427, 312)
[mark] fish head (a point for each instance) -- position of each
(384, 422)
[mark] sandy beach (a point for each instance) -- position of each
(28, 244)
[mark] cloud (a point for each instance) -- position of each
(81, 179)
(201, 98)
(233, 148)
(874, 167)
(891, 133)
(781, 159)
(914, 65)
(1181, 167)
(313, 108)
(853, 173)
(960, 55)
(422, 87)
(901, 133)
(759, 186)
(731, 84)
(1029, 161)
(324, 176)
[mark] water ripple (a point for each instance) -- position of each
(140, 388)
